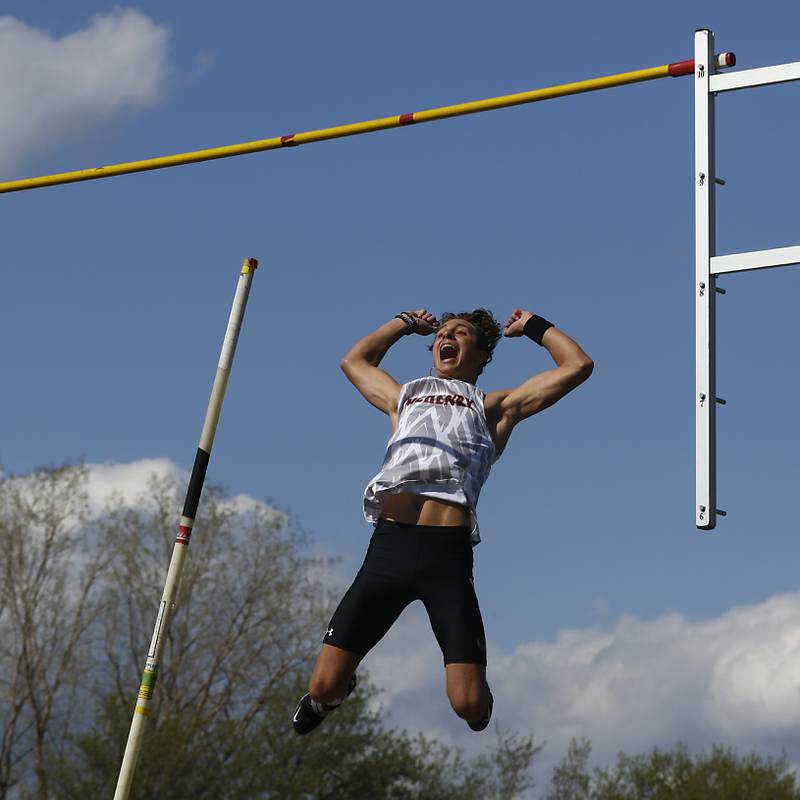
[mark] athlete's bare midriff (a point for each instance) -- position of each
(415, 509)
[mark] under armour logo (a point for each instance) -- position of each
(330, 631)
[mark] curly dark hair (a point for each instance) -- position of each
(486, 326)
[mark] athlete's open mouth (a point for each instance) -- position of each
(448, 351)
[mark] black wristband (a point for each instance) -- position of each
(410, 321)
(535, 328)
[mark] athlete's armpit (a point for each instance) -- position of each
(376, 385)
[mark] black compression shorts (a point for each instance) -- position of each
(406, 563)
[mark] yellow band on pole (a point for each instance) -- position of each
(476, 106)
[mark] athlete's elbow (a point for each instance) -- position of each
(348, 364)
(582, 369)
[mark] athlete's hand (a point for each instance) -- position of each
(426, 322)
(516, 322)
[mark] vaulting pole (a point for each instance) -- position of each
(168, 598)
(675, 69)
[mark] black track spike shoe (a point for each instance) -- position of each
(309, 713)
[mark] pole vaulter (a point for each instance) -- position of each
(169, 596)
(675, 69)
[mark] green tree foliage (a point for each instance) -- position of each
(352, 758)
(675, 774)
(51, 572)
(79, 599)
(571, 779)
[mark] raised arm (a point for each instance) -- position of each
(509, 407)
(361, 362)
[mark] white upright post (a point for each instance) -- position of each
(704, 288)
(707, 83)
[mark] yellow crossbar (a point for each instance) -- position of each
(490, 104)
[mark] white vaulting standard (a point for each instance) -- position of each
(708, 264)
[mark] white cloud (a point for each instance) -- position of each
(733, 680)
(129, 486)
(127, 483)
(56, 88)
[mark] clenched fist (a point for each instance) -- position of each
(426, 322)
(516, 322)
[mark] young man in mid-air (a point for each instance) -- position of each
(446, 434)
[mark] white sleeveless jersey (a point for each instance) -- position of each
(442, 447)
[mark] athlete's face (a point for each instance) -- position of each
(455, 351)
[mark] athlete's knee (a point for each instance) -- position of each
(468, 702)
(328, 688)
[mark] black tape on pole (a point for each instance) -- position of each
(196, 483)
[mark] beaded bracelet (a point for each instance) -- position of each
(410, 321)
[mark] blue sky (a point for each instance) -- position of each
(115, 293)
